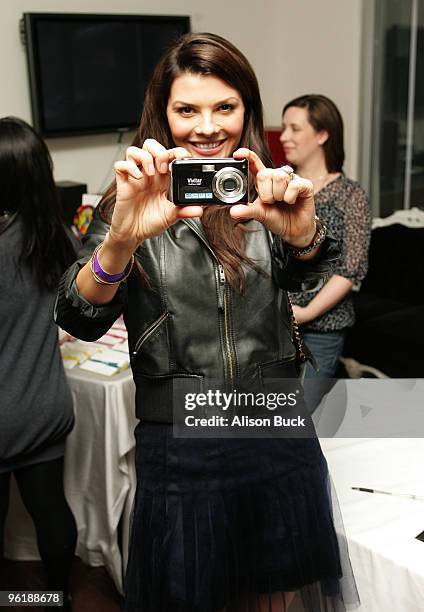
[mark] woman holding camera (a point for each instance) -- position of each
(219, 524)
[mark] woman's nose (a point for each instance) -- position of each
(207, 125)
(284, 136)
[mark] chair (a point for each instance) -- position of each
(388, 335)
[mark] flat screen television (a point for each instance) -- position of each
(88, 73)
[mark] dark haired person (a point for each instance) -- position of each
(312, 140)
(219, 524)
(36, 406)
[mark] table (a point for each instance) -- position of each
(369, 433)
(387, 560)
(99, 474)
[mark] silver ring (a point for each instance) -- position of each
(288, 170)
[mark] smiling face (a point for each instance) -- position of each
(205, 115)
(300, 141)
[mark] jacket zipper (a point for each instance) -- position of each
(226, 327)
(149, 332)
(223, 303)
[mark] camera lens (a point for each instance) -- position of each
(229, 185)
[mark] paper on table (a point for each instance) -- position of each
(117, 332)
(107, 339)
(99, 368)
(77, 352)
(69, 362)
(122, 347)
(112, 358)
(119, 324)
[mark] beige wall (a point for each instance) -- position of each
(295, 47)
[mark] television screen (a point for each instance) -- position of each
(88, 73)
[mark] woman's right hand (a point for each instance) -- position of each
(142, 209)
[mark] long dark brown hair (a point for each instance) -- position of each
(323, 114)
(28, 194)
(205, 54)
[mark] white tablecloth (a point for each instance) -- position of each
(387, 560)
(99, 474)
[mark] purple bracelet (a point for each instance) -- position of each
(104, 277)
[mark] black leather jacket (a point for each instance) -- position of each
(188, 323)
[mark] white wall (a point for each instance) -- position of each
(307, 46)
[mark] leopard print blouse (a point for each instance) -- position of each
(343, 206)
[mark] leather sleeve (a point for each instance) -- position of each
(293, 274)
(75, 314)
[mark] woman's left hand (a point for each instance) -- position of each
(284, 205)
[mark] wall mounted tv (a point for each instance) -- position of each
(88, 73)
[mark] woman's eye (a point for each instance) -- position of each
(226, 107)
(185, 110)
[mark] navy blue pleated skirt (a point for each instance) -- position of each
(233, 524)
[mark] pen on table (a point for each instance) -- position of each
(404, 495)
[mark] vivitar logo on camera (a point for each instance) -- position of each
(194, 181)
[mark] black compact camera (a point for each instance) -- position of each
(206, 181)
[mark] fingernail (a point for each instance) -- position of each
(151, 169)
(164, 167)
(137, 173)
